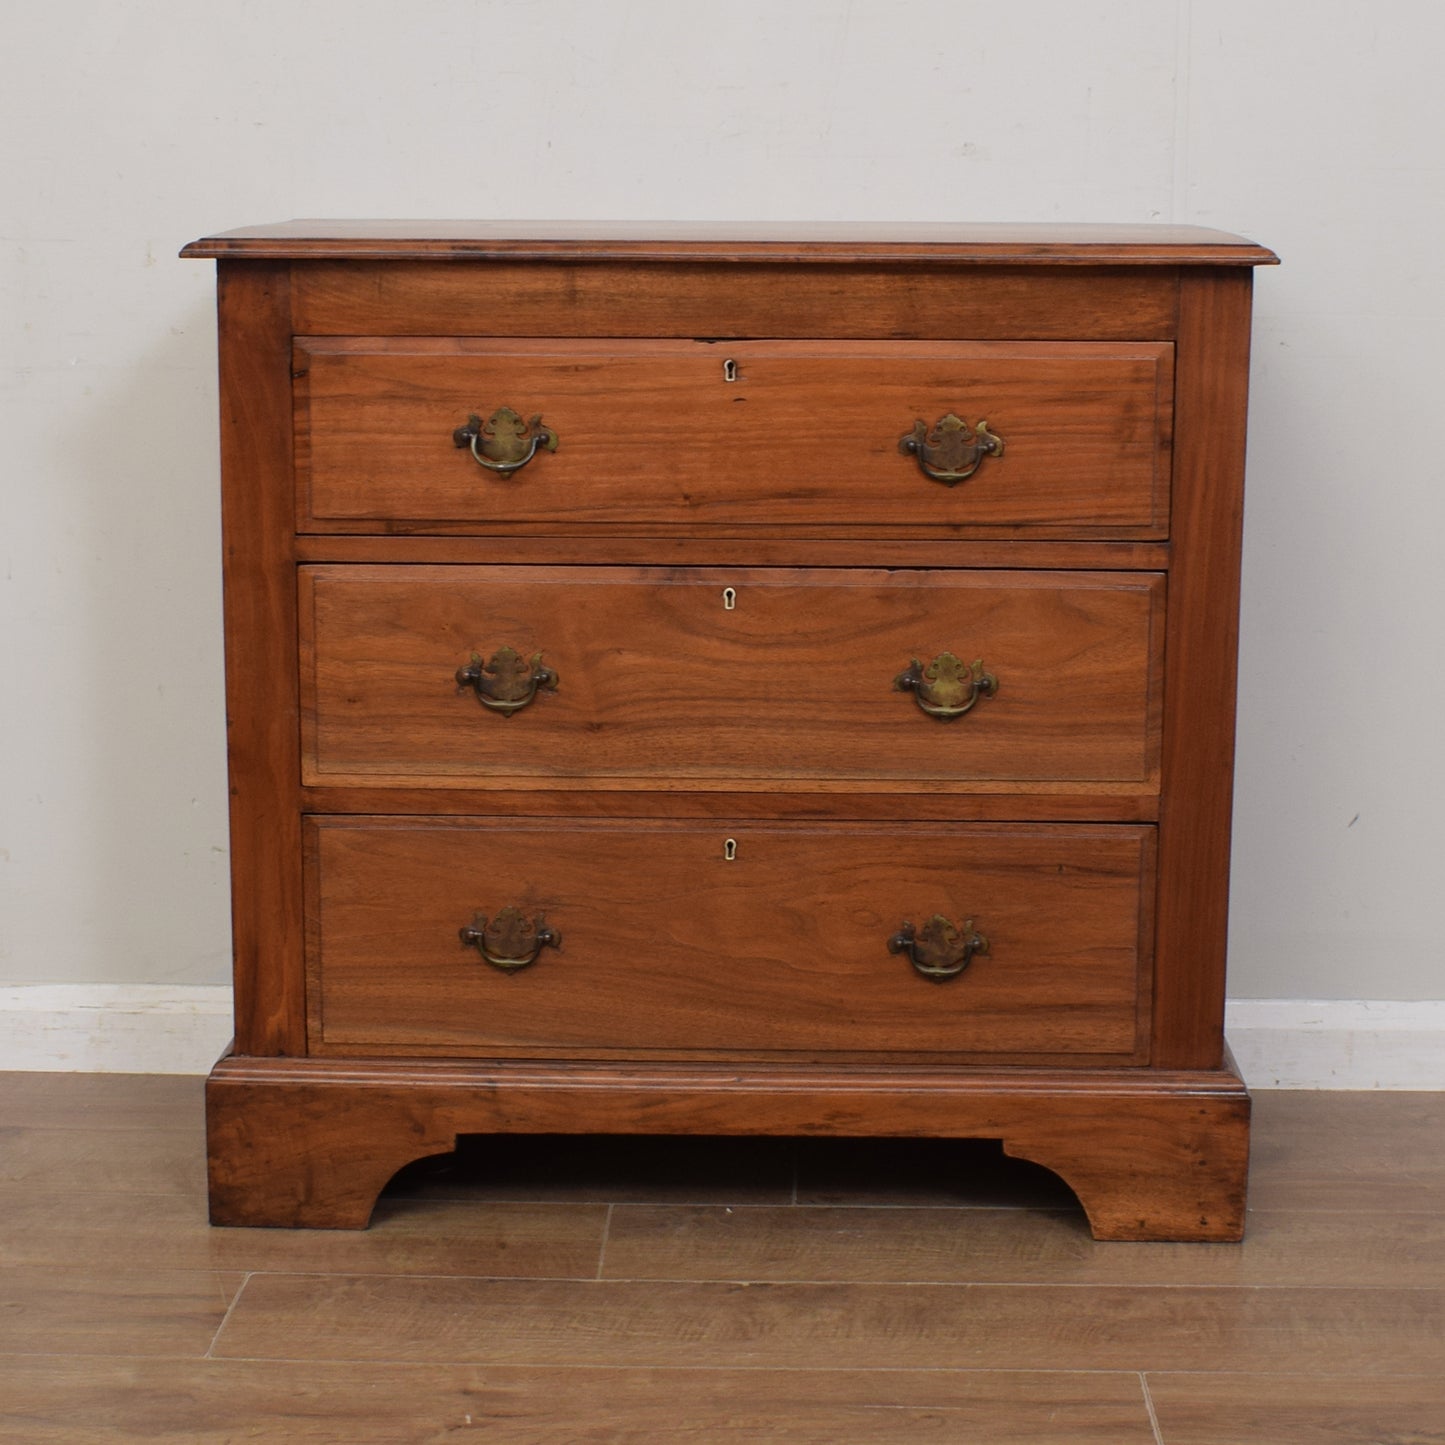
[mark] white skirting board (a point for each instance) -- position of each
(173, 1029)
(138, 1028)
(1290, 1043)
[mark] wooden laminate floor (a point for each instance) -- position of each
(575, 1290)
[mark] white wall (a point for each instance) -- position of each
(128, 129)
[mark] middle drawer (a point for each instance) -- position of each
(610, 677)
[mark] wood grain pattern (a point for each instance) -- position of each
(650, 432)
(103, 1402)
(659, 682)
(311, 1142)
(80, 1159)
(1113, 362)
(852, 1326)
(1338, 1408)
(731, 800)
(111, 1307)
(100, 1101)
(1351, 1152)
(668, 947)
(1013, 1246)
(261, 670)
(971, 243)
(1262, 1345)
(644, 548)
(106, 1230)
(585, 296)
(1203, 634)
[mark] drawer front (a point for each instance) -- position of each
(684, 938)
(725, 678)
(739, 434)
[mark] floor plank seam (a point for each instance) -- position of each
(853, 1206)
(1003, 1207)
(225, 1318)
(1149, 1406)
(389, 1274)
(1132, 1287)
(67, 1267)
(657, 1367)
(602, 1248)
(367, 1362)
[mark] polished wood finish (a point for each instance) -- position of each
(306, 1403)
(1092, 567)
(917, 1289)
(659, 681)
(1343, 1408)
(590, 297)
(311, 1142)
(253, 303)
(652, 433)
(642, 547)
(883, 1327)
(1196, 807)
(805, 912)
(732, 800)
(822, 243)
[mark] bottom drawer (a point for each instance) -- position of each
(699, 940)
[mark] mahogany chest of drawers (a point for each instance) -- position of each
(724, 683)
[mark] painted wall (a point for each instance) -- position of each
(129, 129)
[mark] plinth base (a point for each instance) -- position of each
(310, 1143)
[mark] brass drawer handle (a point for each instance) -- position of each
(511, 940)
(946, 687)
(939, 950)
(952, 451)
(504, 442)
(506, 682)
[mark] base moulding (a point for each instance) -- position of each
(312, 1142)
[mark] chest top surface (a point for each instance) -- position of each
(953, 243)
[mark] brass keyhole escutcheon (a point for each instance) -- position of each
(730, 850)
(730, 370)
(730, 598)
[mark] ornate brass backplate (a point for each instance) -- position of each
(951, 452)
(506, 681)
(940, 950)
(504, 442)
(511, 940)
(946, 687)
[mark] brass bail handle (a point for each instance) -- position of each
(511, 940)
(940, 950)
(946, 688)
(507, 681)
(504, 443)
(952, 451)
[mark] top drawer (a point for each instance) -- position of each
(799, 436)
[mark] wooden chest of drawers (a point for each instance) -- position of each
(731, 684)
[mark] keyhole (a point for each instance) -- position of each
(730, 850)
(730, 598)
(730, 370)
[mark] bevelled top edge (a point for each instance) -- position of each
(993, 242)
